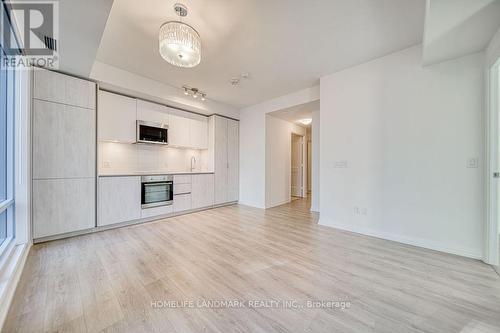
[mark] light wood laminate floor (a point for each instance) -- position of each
(109, 281)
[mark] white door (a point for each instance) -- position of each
(296, 165)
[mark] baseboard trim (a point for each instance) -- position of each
(423, 243)
(10, 281)
(279, 203)
(497, 269)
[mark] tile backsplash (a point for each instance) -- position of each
(122, 157)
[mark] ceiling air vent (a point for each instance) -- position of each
(50, 43)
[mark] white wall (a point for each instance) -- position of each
(493, 49)
(253, 143)
(119, 80)
(395, 138)
(315, 129)
(491, 138)
(278, 159)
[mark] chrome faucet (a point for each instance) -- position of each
(193, 163)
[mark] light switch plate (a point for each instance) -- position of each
(472, 163)
(340, 164)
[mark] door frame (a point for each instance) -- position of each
(303, 190)
(492, 166)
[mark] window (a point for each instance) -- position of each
(7, 107)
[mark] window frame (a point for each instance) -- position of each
(8, 205)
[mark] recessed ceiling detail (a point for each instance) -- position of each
(180, 44)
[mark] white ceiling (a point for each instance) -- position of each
(296, 113)
(77, 40)
(285, 45)
(454, 28)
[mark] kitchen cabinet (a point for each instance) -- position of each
(179, 129)
(225, 159)
(198, 131)
(63, 205)
(152, 112)
(119, 199)
(117, 116)
(156, 211)
(220, 160)
(182, 188)
(63, 154)
(202, 191)
(60, 88)
(182, 202)
(63, 141)
(182, 179)
(233, 158)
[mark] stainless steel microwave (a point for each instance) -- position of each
(149, 132)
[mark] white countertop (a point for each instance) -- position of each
(152, 173)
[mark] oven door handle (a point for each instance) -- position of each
(157, 183)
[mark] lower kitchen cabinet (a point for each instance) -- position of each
(156, 211)
(202, 191)
(119, 200)
(63, 205)
(182, 202)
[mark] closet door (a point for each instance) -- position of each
(232, 160)
(220, 161)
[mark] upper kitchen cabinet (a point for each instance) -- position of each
(59, 88)
(198, 132)
(63, 141)
(116, 118)
(179, 128)
(152, 112)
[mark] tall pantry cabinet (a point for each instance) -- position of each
(224, 133)
(63, 154)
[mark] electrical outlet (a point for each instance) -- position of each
(472, 163)
(364, 211)
(106, 164)
(356, 210)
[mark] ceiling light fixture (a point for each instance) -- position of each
(305, 121)
(180, 44)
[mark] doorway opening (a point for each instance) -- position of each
(298, 164)
(292, 155)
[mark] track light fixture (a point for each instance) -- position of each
(194, 92)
